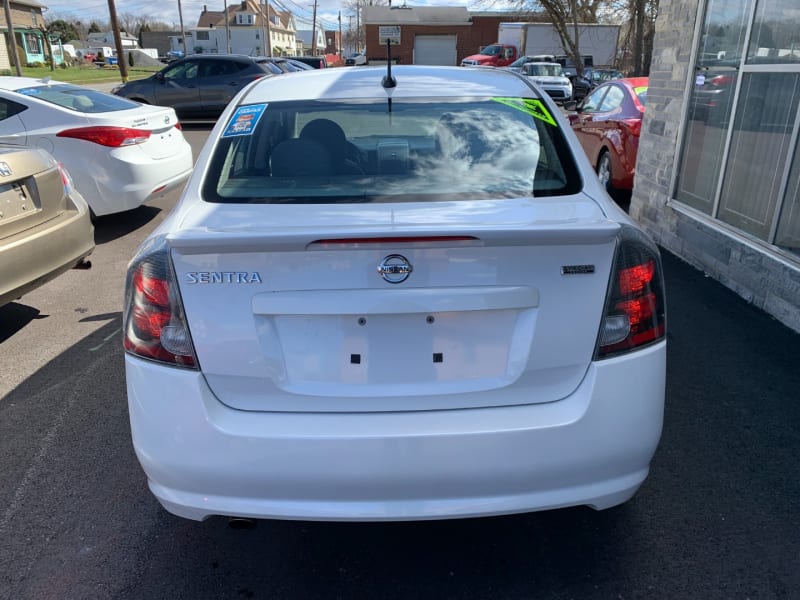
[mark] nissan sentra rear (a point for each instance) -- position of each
(393, 297)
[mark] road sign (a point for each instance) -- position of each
(389, 34)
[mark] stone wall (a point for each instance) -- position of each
(757, 273)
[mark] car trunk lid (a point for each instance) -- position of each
(31, 190)
(392, 308)
(166, 138)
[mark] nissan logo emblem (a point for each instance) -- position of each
(395, 268)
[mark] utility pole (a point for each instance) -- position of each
(314, 31)
(122, 60)
(268, 34)
(339, 45)
(350, 31)
(12, 39)
(227, 29)
(183, 33)
(358, 27)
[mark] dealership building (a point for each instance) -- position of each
(718, 175)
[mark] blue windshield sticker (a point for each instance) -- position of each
(244, 120)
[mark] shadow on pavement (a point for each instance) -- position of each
(14, 317)
(110, 227)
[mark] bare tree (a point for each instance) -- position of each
(133, 24)
(355, 36)
(638, 17)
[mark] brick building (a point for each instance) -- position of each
(718, 174)
(431, 35)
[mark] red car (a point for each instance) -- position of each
(608, 123)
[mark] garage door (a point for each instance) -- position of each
(435, 50)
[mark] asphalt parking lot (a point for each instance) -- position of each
(718, 518)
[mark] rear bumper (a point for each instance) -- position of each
(33, 257)
(203, 458)
(128, 178)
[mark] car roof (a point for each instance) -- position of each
(16, 83)
(413, 81)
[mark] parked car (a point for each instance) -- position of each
(523, 60)
(356, 59)
(173, 55)
(592, 77)
(550, 77)
(298, 65)
(201, 85)
(493, 55)
(370, 310)
(570, 70)
(608, 123)
(120, 153)
(45, 228)
(316, 62)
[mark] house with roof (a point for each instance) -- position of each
(29, 34)
(305, 41)
(247, 28)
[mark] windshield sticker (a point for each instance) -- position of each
(244, 120)
(534, 108)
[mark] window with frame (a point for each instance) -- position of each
(420, 151)
(33, 43)
(738, 160)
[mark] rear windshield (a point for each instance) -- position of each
(79, 99)
(356, 151)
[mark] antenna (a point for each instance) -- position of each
(388, 81)
(390, 33)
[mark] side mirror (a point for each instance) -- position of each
(160, 77)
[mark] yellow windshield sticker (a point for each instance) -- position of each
(534, 108)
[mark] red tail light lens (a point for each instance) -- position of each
(634, 126)
(635, 312)
(113, 137)
(155, 326)
(66, 179)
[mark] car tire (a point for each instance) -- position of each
(604, 170)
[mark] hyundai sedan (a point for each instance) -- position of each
(608, 123)
(120, 154)
(394, 297)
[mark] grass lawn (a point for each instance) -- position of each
(86, 74)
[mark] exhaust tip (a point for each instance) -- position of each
(241, 523)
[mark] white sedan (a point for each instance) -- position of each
(119, 153)
(394, 298)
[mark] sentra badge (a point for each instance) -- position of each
(223, 277)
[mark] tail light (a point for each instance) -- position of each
(634, 126)
(155, 325)
(635, 312)
(66, 179)
(106, 135)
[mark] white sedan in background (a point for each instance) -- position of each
(119, 153)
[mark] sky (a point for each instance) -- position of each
(87, 11)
